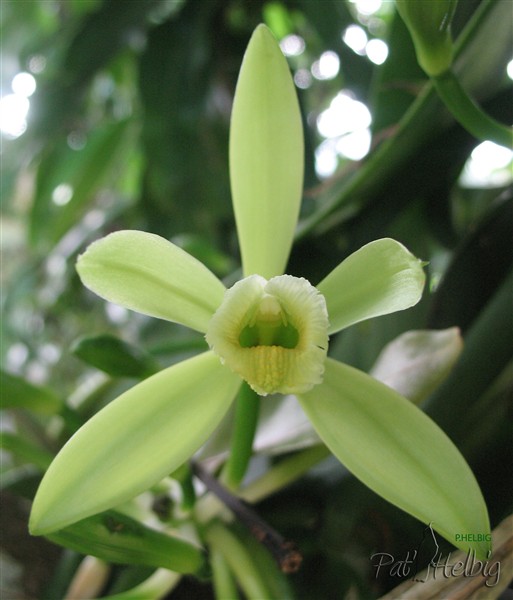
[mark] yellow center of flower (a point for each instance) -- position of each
(272, 333)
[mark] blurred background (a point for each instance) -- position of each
(115, 115)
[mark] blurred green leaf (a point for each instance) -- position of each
(25, 450)
(422, 123)
(186, 185)
(397, 81)
(154, 587)
(478, 268)
(19, 393)
(117, 538)
(487, 351)
(68, 180)
(115, 356)
(97, 38)
(246, 572)
(277, 582)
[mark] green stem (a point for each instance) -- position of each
(246, 419)
(284, 473)
(239, 561)
(184, 477)
(156, 586)
(468, 113)
(224, 586)
(417, 125)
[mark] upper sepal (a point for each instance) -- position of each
(266, 157)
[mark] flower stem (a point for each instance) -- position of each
(246, 418)
(468, 113)
(284, 473)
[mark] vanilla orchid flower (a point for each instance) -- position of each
(270, 330)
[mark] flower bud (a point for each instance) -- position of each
(429, 24)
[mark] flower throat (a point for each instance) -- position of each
(269, 327)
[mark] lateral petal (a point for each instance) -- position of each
(380, 278)
(146, 273)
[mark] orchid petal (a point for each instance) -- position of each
(266, 157)
(380, 278)
(397, 451)
(146, 273)
(134, 442)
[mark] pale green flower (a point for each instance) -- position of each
(269, 329)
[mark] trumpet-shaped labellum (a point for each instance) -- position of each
(273, 333)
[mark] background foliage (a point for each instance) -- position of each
(128, 129)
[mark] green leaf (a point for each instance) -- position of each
(477, 269)
(487, 352)
(114, 356)
(266, 157)
(380, 278)
(18, 393)
(135, 441)
(148, 274)
(399, 452)
(416, 362)
(117, 538)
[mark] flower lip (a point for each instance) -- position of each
(272, 333)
